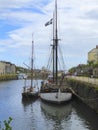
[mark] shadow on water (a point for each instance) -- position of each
(53, 110)
(27, 102)
(86, 114)
(73, 115)
(37, 115)
(56, 114)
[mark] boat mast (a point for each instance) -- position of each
(56, 42)
(53, 47)
(32, 64)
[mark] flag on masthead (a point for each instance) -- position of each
(49, 22)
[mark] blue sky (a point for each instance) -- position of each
(77, 24)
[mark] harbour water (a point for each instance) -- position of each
(38, 115)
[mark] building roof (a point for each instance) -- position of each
(94, 49)
(6, 62)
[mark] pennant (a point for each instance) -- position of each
(49, 22)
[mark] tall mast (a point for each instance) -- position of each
(53, 47)
(32, 64)
(56, 42)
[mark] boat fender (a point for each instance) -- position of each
(56, 95)
(24, 89)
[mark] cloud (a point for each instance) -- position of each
(93, 14)
(77, 28)
(15, 4)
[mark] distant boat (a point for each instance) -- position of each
(53, 90)
(32, 91)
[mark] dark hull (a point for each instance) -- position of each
(29, 95)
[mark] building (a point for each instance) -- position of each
(7, 68)
(93, 55)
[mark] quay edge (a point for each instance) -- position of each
(8, 77)
(86, 92)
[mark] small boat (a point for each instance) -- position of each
(52, 89)
(29, 93)
(32, 91)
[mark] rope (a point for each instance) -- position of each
(50, 60)
(61, 55)
(82, 97)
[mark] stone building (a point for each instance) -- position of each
(93, 55)
(7, 68)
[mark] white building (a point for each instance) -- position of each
(7, 68)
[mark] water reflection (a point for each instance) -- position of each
(37, 115)
(56, 114)
(27, 102)
(87, 115)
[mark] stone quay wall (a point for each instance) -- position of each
(86, 92)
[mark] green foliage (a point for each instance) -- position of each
(72, 70)
(22, 70)
(7, 124)
(83, 69)
(91, 63)
(8, 76)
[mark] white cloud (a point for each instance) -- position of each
(14, 4)
(77, 22)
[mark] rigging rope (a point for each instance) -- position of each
(63, 64)
(50, 60)
(60, 57)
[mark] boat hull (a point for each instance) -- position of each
(56, 97)
(30, 95)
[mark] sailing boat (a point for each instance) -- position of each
(31, 92)
(53, 90)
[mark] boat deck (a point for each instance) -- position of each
(50, 87)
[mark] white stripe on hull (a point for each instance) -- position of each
(56, 97)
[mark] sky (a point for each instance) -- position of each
(20, 19)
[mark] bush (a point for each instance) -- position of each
(7, 124)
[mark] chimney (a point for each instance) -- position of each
(96, 46)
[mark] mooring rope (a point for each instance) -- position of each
(82, 97)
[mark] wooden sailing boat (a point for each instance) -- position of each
(55, 91)
(31, 92)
